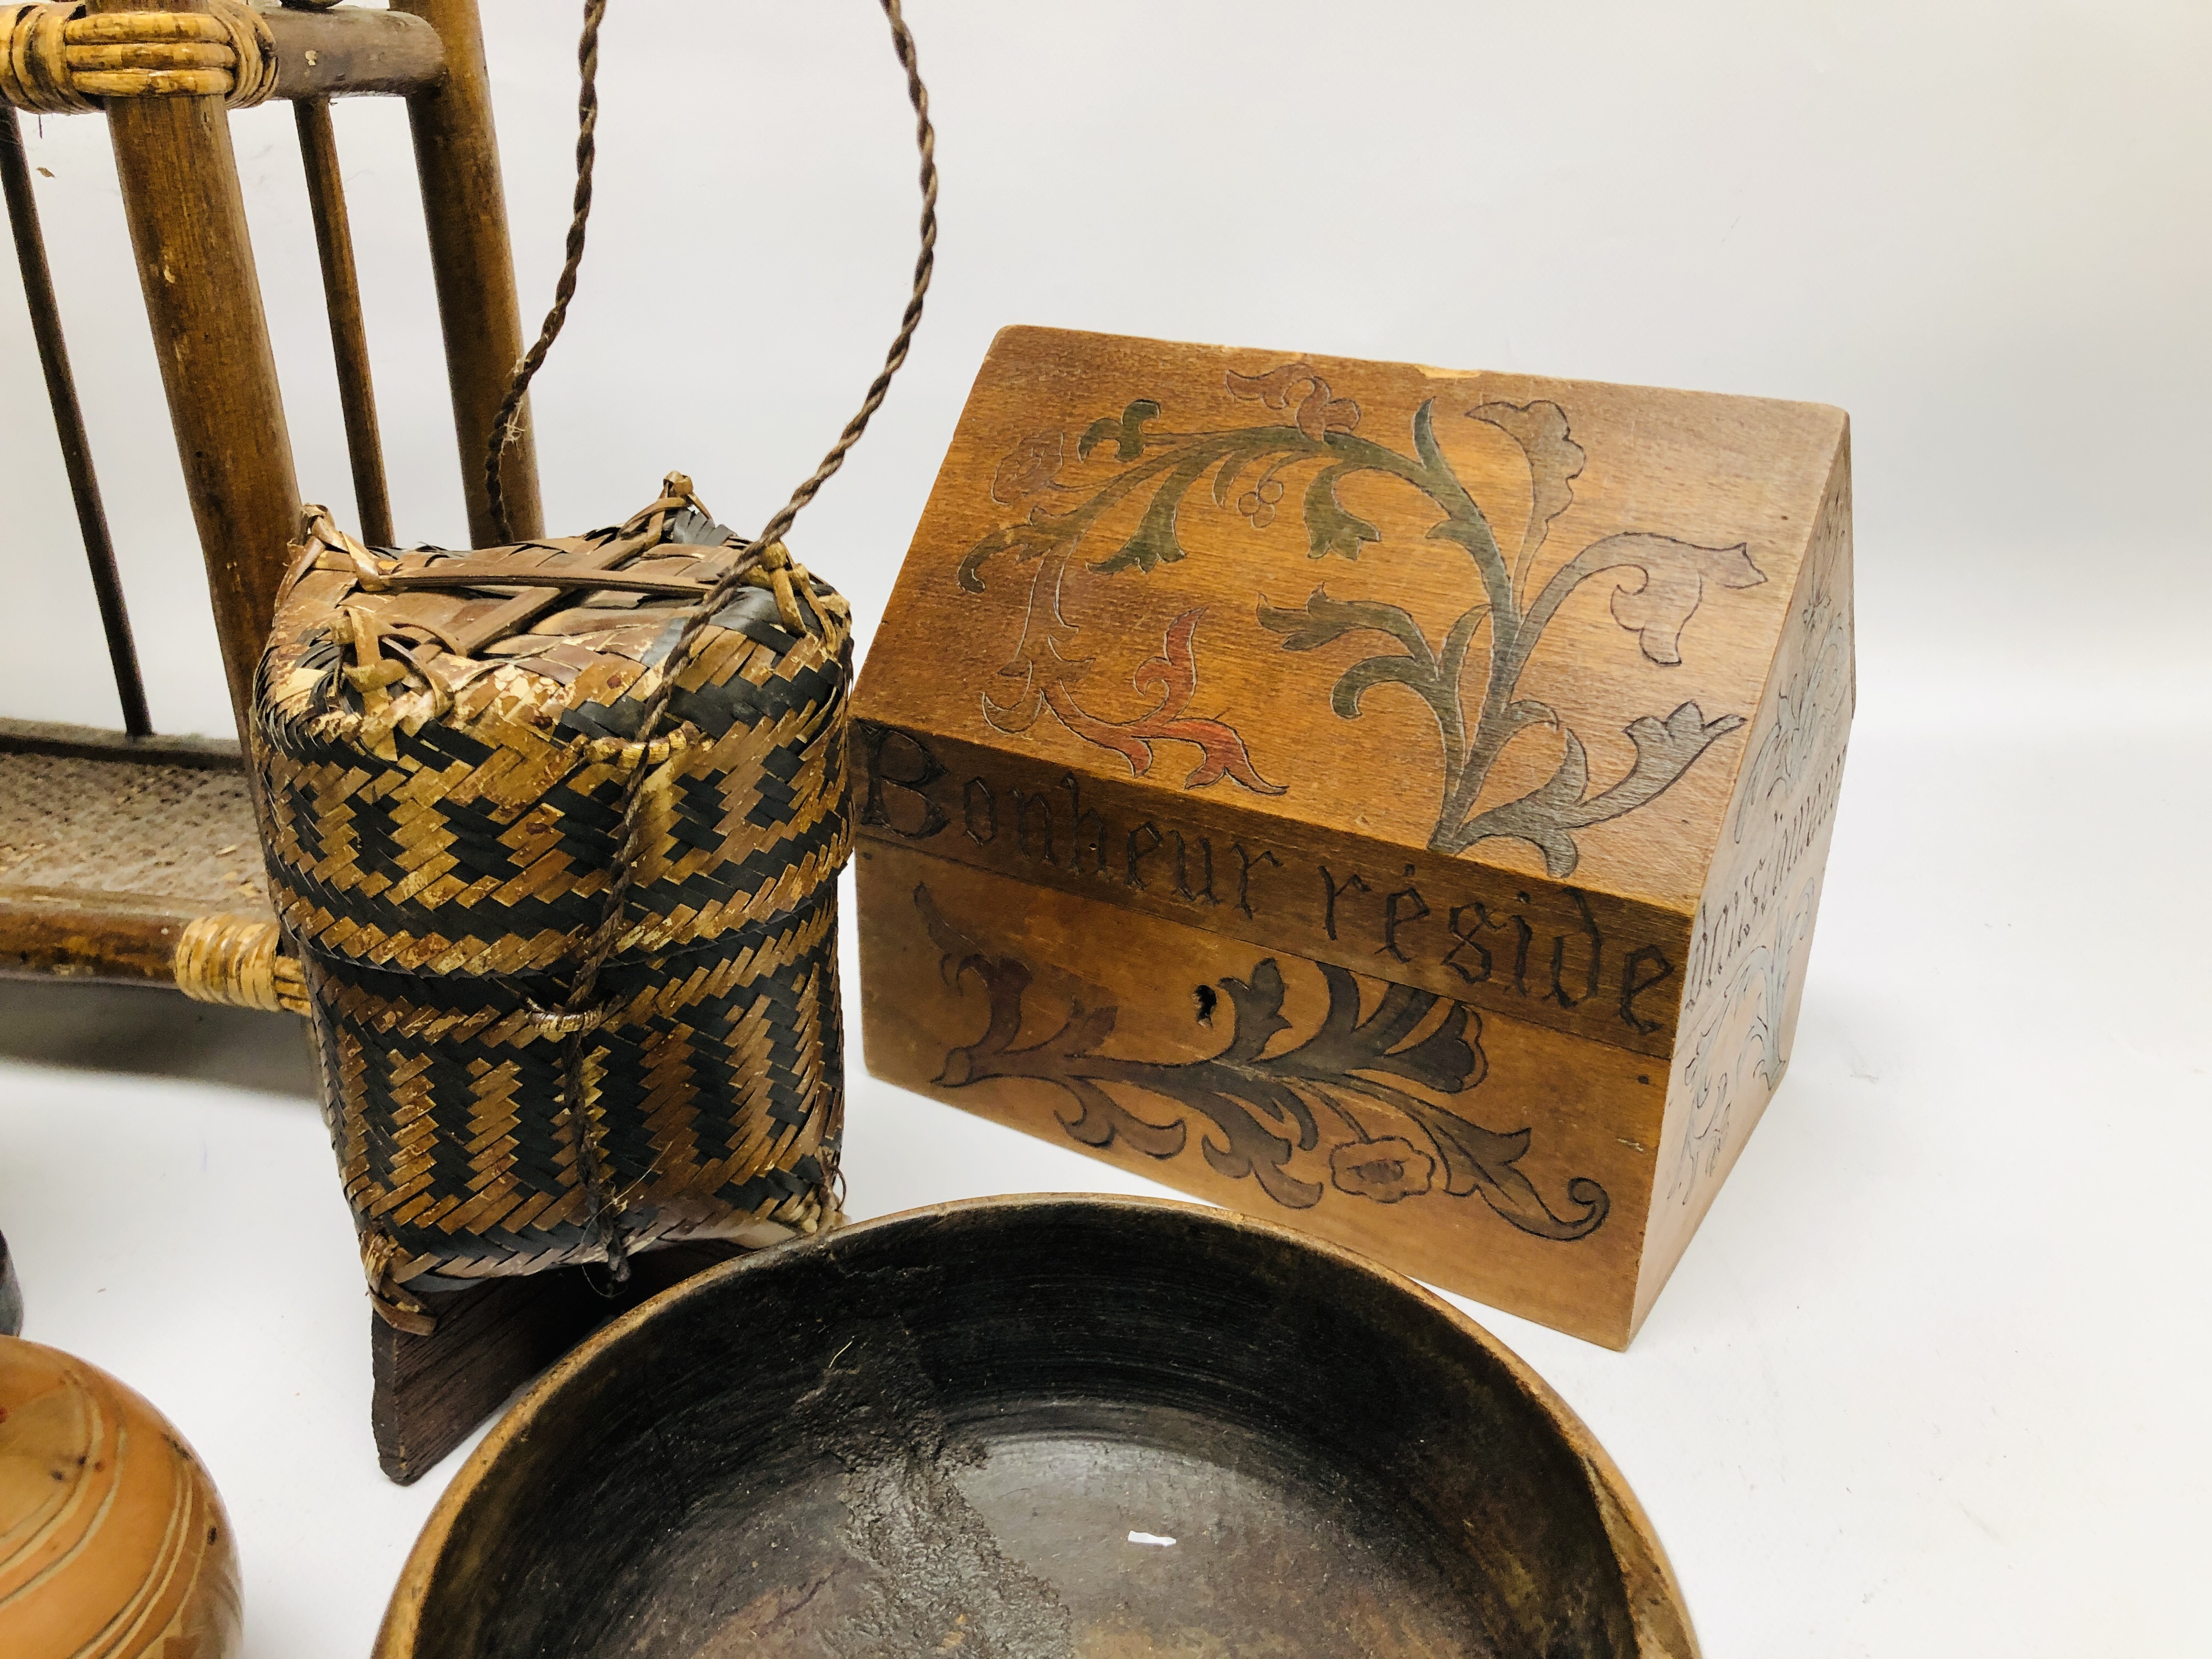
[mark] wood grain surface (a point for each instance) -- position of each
(1510, 1161)
(965, 1415)
(1753, 933)
(430, 1391)
(1498, 717)
(354, 52)
(113, 1539)
(180, 195)
(1027, 622)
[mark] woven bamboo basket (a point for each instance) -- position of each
(443, 740)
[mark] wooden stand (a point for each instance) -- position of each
(108, 913)
(432, 1391)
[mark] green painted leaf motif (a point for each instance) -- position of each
(1424, 439)
(1555, 460)
(1434, 680)
(1661, 584)
(1547, 815)
(1363, 677)
(1457, 645)
(1673, 573)
(1325, 619)
(1329, 527)
(1127, 433)
(999, 541)
(1543, 817)
(1154, 543)
(1232, 466)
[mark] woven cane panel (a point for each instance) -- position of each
(444, 764)
(127, 827)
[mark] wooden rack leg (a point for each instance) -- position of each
(187, 218)
(432, 1391)
(457, 156)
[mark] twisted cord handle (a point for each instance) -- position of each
(764, 555)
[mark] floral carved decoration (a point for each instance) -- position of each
(1349, 1105)
(1031, 466)
(1740, 1047)
(1173, 676)
(1810, 712)
(1659, 582)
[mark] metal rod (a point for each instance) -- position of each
(69, 424)
(318, 149)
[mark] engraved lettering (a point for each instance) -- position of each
(1245, 864)
(1468, 942)
(979, 806)
(1559, 954)
(920, 768)
(1728, 920)
(1205, 891)
(1634, 983)
(1393, 921)
(1329, 885)
(1021, 805)
(1523, 936)
(1133, 856)
(1088, 825)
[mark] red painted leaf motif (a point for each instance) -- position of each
(1173, 677)
(1272, 389)
(1032, 465)
(1318, 414)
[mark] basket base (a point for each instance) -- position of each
(431, 1392)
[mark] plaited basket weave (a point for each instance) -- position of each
(442, 750)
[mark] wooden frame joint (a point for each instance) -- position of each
(70, 58)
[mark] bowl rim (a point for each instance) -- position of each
(1659, 1615)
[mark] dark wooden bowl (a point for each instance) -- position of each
(970, 1430)
(11, 1294)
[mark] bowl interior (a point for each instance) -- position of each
(1031, 1428)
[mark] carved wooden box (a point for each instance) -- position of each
(1386, 800)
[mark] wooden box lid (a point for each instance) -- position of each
(1413, 652)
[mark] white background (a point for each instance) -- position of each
(1929, 1380)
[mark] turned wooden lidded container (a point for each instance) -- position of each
(113, 1539)
(1381, 799)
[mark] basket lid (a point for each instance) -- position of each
(443, 738)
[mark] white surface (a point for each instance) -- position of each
(1926, 1381)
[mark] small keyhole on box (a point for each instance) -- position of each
(1207, 996)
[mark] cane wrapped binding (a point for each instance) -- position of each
(442, 742)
